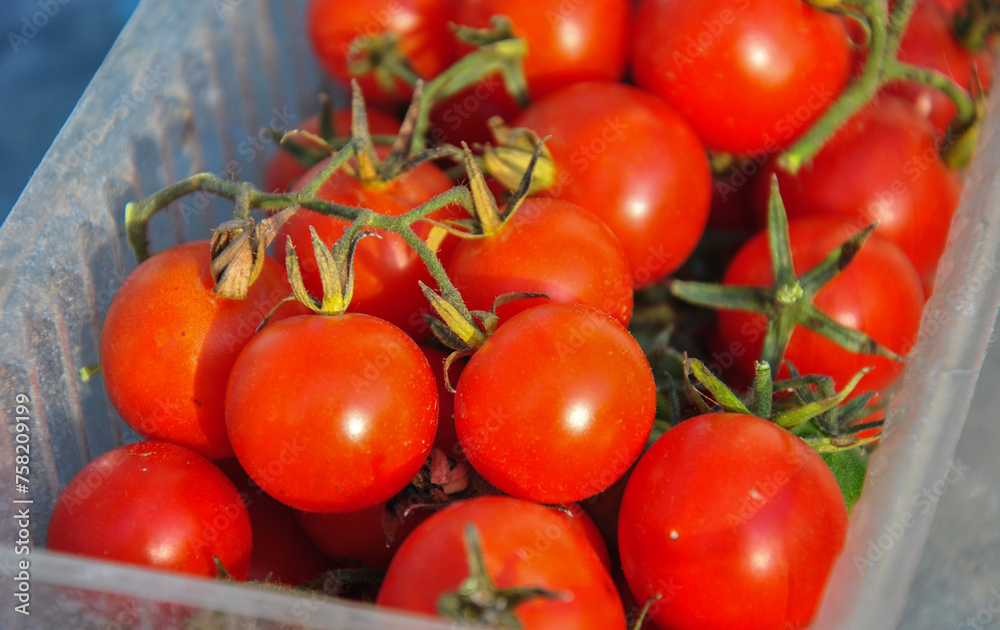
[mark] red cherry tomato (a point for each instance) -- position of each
(556, 405)
(331, 414)
(284, 170)
(168, 344)
(567, 42)
(879, 294)
(630, 159)
(462, 117)
(523, 545)
(549, 246)
(386, 270)
(359, 536)
(155, 505)
(929, 43)
(882, 165)
(425, 40)
(735, 522)
(575, 519)
(282, 552)
(749, 75)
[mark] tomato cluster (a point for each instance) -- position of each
(458, 383)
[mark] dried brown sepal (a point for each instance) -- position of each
(238, 253)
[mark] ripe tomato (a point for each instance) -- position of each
(735, 522)
(156, 505)
(331, 414)
(576, 519)
(556, 405)
(749, 75)
(360, 536)
(549, 246)
(882, 165)
(168, 344)
(284, 170)
(386, 270)
(630, 159)
(523, 545)
(879, 294)
(567, 42)
(929, 42)
(425, 40)
(282, 552)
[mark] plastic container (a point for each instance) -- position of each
(186, 89)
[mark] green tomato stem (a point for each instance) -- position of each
(882, 67)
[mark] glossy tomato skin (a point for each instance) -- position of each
(577, 520)
(523, 544)
(168, 344)
(282, 552)
(421, 25)
(749, 75)
(630, 159)
(386, 270)
(359, 536)
(331, 414)
(929, 43)
(879, 293)
(883, 165)
(556, 405)
(157, 505)
(548, 246)
(735, 505)
(567, 43)
(284, 170)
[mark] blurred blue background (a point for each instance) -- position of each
(49, 52)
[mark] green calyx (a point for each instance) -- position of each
(516, 152)
(336, 269)
(461, 330)
(478, 600)
(809, 407)
(789, 301)
(487, 219)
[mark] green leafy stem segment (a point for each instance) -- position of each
(137, 214)
(884, 32)
(499, 52)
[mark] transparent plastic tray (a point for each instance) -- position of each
(185, 89)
